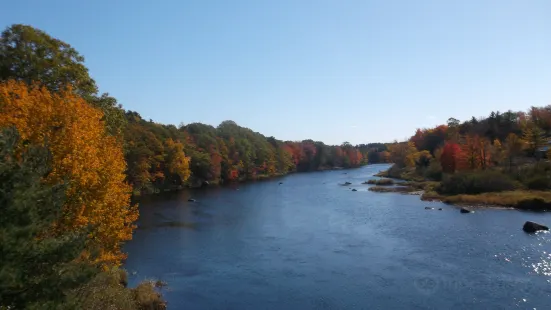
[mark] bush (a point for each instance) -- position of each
(107, 291)
(103, 292)
(434, 171)
(476, 182)
(381, 182)
(540, 182)
(147, 298)
(394, 172)
(535, 177)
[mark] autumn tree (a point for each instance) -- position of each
(176, 162)
(533, 136)
(513, 148)
(403, 154)
(83, 154)
(451, 157)
(453, 133)
(497, 152)
(470, 152)
(422, 159)
(36, 267)
(32, 56)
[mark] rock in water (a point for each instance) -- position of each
(347, 183)
(465, 210)
(440, 209)
(191, 200)
(354, 190)
(531, 227)
(280, 183)
(428, 208)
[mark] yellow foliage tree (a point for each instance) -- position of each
(84, 155)
(403, 154)
(176, 160)
(513, 148)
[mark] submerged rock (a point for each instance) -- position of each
(531, 227)
(191, 200)
(429, 208)
(354, 190)
(440, 209)
(465, 210)
(347, 183)
(280, 183)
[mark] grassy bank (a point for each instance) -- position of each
(477, 188)
(518, 199)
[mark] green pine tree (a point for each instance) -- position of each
(37, 268)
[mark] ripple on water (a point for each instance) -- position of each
(539, 260)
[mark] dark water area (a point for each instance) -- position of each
(310, 243)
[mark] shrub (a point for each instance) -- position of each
(394, 172)
(434, 171)
(107, 291)
(103, 292)
(147, 298)
(540, 182)
(380, 182)
(536, 176)
(476, 183)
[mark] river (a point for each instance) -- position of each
(310, 243)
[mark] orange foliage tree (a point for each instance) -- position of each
(84, 155)
(475, 152)
(450, 158)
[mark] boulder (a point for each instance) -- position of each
(191, 200)
(531, 227)
(465, 210)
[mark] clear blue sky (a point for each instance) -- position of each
(358, 71)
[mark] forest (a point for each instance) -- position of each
(72, 158)
(502, 159)
(164, 157)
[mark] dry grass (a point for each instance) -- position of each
(527, 200)
(147, 298)
(396, 189)
(432, 196)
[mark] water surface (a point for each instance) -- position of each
(310, 243)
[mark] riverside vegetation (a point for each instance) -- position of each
(500, 160)
(71, 158)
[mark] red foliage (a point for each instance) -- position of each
(451, 157)
(354, 156)
(233, 174)
(429, 139)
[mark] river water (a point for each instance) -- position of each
(310, 243)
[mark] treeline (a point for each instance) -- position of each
(226, 153)
(502, 152)
(70, 159)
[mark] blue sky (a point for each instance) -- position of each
(334, 71)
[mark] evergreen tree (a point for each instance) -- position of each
(36, 268)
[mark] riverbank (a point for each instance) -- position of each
(200, 183)
(429, 190)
